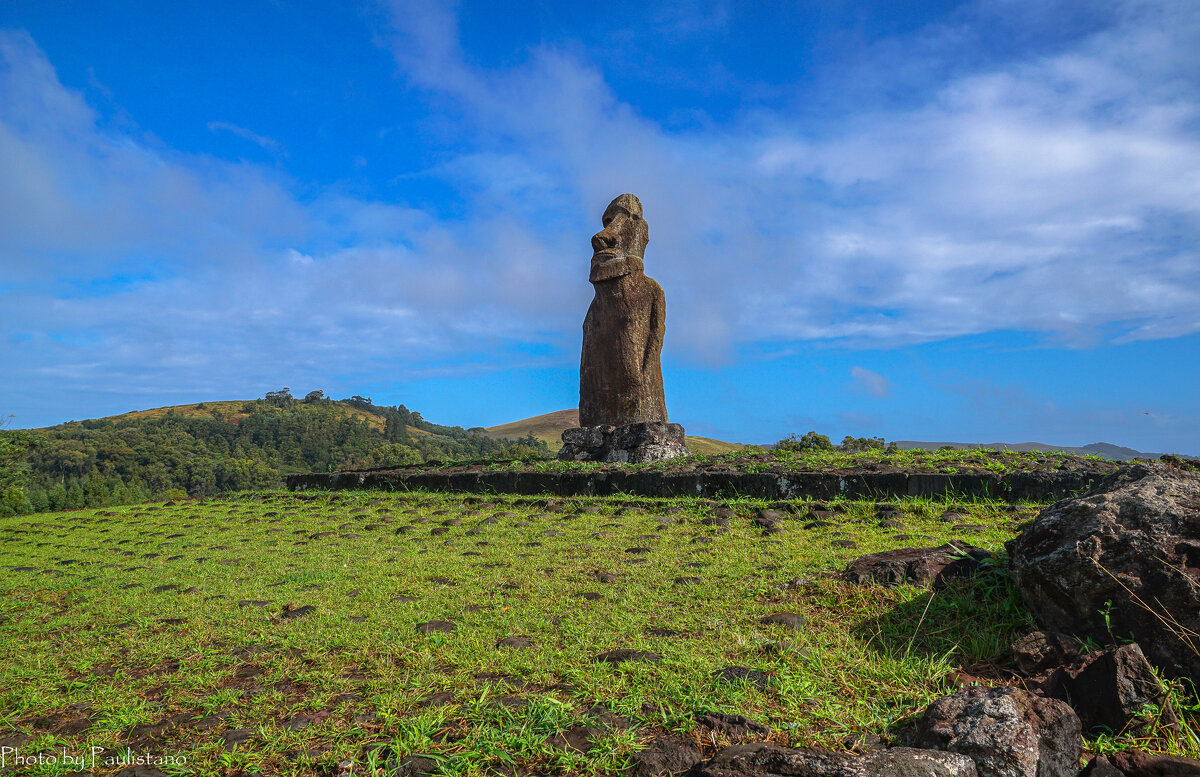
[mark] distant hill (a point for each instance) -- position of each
(229, 445)
(1102, 449)
(549, 428)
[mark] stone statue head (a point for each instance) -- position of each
(619, 248)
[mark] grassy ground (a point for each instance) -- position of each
(184, 630)
(756, 459)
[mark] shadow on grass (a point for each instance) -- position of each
(970, 622)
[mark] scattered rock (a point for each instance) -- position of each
(432, 626)
(1134, 763)
(791, 620)
(1133, 541)
(621, 655)
(916, 566)
(733, 674)
(1112, 691)
(734, 726)
(1043, 650)
(1007, 732)
(1101, 767)
(515, 642)
(578, 738)
(290, 613)
(847, 544)
(664, 756)
(762, 759)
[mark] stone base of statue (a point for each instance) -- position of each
(632, 443)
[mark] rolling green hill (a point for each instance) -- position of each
(211, 447)
(549, 428)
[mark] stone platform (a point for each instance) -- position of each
(631, 443)
(724, 483)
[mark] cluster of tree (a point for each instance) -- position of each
(819, 442)
(124, 460)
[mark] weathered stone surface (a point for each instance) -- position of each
(916, 566)
(1007, 732)
(1042, 650)
(735, 726)
(620, 374)
(664, 756)
(634, 443)
(1101, 767)
(1112, 691)
(1133, 541)
(762, 759)
(1134, 763)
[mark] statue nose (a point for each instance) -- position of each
(603, 239)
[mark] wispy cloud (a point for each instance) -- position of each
(870, 382)
(1052, 192)
(266, 143)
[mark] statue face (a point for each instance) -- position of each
(618, 249)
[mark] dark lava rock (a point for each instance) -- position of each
(402, 598)
(663, 756)
(733, 674)
(296, 612)
(515, 642)
(687, 581)
(1111, 690)
(661, 633)
(1041, 650)
(762, 759)
(637, 551)
(1007, 732)
(621, 655)
(605, 577)
(1134, 763)
(916, 566)
(1101, 767)
(892, 523)
(252, 603)
(234, 737)
(1133, 541)
(432, 626)
(848, 544)
(591, 596)
(774, 516)
(734, 726)
(413, 766)
(715, 520)
(792, 620)
(436, 700)
(578, 738)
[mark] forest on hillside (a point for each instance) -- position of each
(123, 460)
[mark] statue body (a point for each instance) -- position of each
(620, 370)
(622, 411)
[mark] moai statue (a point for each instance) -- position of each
(622, 410)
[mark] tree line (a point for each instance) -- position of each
(124, 460)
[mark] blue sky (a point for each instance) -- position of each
(969, 221)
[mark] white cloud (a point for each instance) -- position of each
(870, 382)
(1054, 192)
(264, 142)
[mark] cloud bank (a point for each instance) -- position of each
(1053, 189)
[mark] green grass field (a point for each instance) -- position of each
(282, 633)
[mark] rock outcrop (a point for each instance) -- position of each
(916, 566)
(763, 759)
(1006, 731)
(1121, 563)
